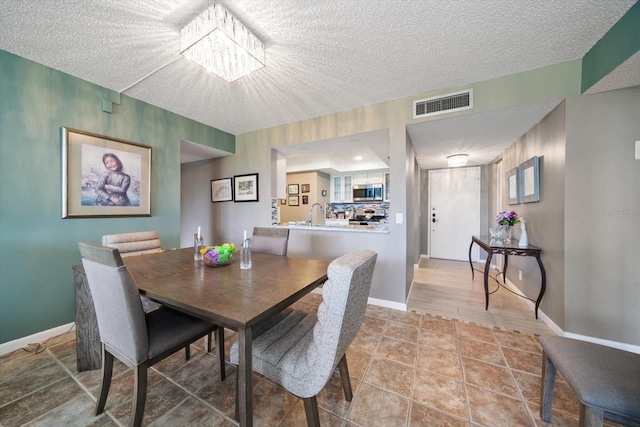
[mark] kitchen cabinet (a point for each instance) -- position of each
(368, 178)
(341, 188)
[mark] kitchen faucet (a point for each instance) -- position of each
(310, 220)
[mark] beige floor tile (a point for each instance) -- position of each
(396, 350)
(441, 393)
(391, 376)
(493, 409)
(376, 407)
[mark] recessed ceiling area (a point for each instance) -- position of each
(483, 136)
(192, 152)
(338, 155)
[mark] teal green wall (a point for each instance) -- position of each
(619, 43)
(37, 246)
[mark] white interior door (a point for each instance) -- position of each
(454, 212)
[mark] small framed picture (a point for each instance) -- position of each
(304, 188)
(512, 186)
(305, 200)
(292, 189)
(221, 190)
(246, 187)
(283, 201)
(293, 201)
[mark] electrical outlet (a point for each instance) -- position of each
(520, 274)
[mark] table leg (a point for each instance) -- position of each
(486, 279)
(245, 367)
(504, 271)
(543, 284)
(470, 263)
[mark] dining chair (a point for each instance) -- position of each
(270, 240)
(136, 338)
(606, 380)
(302, 350)
(137, 243)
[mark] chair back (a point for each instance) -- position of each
(121, 319)
(341, 313)
(270, 240)
(136, 243)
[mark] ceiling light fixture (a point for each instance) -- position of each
(358, 158)
(456, 160)
(217, 41)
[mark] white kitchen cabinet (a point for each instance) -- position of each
(368, 178)
(341, 188)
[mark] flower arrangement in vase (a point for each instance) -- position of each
(504, 220)
(218, 255)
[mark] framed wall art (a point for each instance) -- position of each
(292, 189)
(529, 181)
(294, 201)
(305, 200)
(104, 176)
(512, 186)
(304, 188)
(221, 190)
(246, 187)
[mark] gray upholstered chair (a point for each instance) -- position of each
(606, 380)
(270, 240)
(302, 351)
(136, 338)
(136, 243)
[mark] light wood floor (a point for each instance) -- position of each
(445, 288)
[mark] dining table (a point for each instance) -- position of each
(237, 299)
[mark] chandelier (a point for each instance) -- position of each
(457, 160)
(217, 41)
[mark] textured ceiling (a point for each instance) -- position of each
(323, 56)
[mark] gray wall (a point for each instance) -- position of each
(602, 218)
(546, 218)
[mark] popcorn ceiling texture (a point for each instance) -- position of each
(322, 56)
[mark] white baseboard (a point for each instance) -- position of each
(376, 301)
(388, 304)
(38, 337)
(615, 344)
(558, 331)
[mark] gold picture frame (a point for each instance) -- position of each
(103, 176)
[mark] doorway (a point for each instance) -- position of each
(454, 212)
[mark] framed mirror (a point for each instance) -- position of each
(512, 186)
(529, 181)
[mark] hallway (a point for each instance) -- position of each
(445, 288)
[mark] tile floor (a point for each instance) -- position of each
(407, 369)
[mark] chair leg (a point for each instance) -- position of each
(344, 375)
(107, 371)
(590, 416)
(220, 351)
(311, 409)
(236, 413)
(187, 352)
(139, 394)
(547, 386)
(207, 343)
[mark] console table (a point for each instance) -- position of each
(506, 248)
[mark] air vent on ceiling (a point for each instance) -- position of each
(443, 104)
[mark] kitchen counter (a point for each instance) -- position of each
(351, 228)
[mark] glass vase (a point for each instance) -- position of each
(501, 233)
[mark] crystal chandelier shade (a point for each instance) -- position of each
(221, 44)
(457, 160)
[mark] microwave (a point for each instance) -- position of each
(367, 192)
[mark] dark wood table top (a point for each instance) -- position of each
(226, 295)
